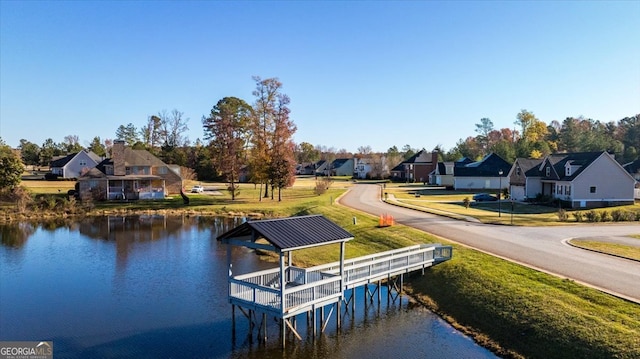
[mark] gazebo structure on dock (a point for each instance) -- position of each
(287, 291)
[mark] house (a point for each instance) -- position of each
(579, 180)
(634, 169)
(523, 179)
(488, 173)
(442, 175)
(306, 168)
(342, 167)
(371, 167)
(416, 168)
(74, 165)
(322, 168)
(130, 174)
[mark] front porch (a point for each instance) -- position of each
(135, 189)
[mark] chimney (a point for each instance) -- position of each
(117, 156)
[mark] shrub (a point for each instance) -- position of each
(619, 215)
(593, 216)
(467, 202)
(579, 216)
(562, 215)
(322, 185)
(605, 216)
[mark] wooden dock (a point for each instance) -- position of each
(287, 291)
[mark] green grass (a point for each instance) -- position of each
(515, 311)
(616, 249)
(451, 203)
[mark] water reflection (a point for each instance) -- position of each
(156, 287)
(15, 235)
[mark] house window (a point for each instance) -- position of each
(592, 189)
(517, 171)
(560, 189)
(162, 170)
(568, 190)
(568, 171)
(548, 171)
(82, 163)
(127, 170)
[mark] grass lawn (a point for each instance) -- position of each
(515, 311)
(451, 203)
(620, 250)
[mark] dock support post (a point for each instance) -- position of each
(264, 327)
(315, 326)
(338, 315)
(283, 333)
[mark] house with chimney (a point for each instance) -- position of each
(130, 175)
(417, 168)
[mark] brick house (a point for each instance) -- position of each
(130, 174)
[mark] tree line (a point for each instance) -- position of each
(254, 142)
(533, 138)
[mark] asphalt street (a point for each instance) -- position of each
(541, 248)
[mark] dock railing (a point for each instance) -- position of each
(305, 287)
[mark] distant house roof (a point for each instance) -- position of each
(337, 163)
(489, 166)
(287, 234)
(134, 158)
(559, 160)
(62, 161)
(420, 157)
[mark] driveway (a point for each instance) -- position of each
(541, 248)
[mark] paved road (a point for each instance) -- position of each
(542, 248)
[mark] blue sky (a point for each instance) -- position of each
(358, 73)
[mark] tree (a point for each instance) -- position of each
(71, 144)
(97, 147)
(408, 151)
(228, 129)
(151, 133)
(525, 119)
(128, 133)
(48, 150)
(263, 126)
(306, 152)
(365, 150)
(172, 128)
(283, 165)
(30, 152)
(483, 129)
(11, 167)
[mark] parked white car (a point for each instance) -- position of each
(197, 189)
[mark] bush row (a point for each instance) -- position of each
(615, 215)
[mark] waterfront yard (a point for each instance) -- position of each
(514, 310)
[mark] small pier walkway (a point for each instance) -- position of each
(288, 291)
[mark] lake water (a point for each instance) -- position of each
(156, 287)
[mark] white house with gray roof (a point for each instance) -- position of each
(580, 180)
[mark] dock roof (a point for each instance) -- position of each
(286, 234)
